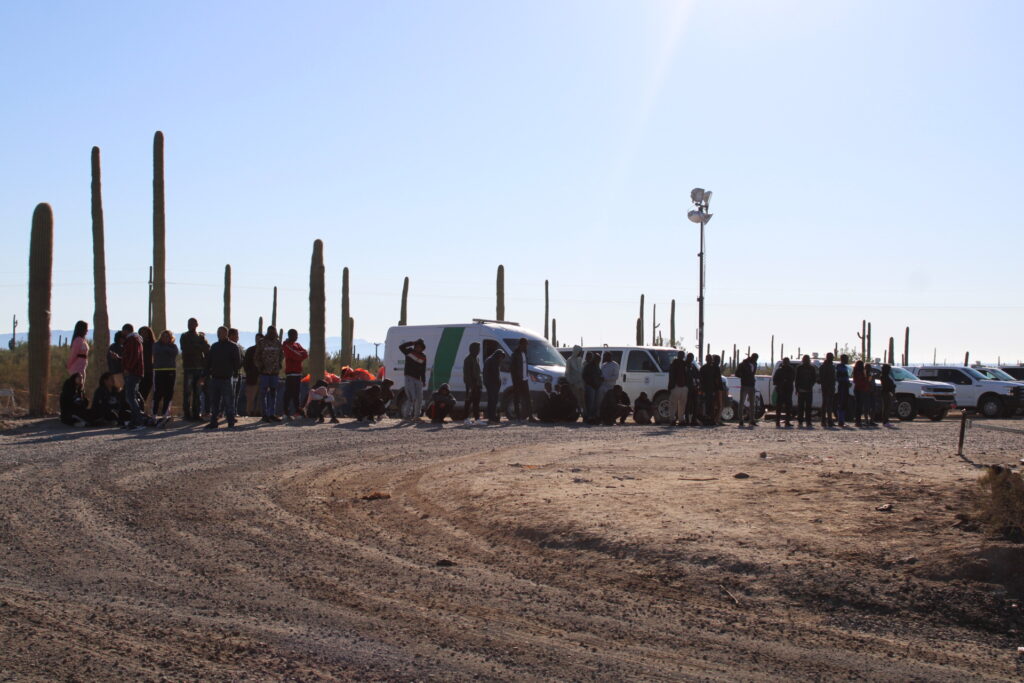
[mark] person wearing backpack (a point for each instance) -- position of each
(268, 362)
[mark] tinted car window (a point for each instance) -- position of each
(1018, 373)
(640, 361)
(954, 376)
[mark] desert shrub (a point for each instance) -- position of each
(1001, 502)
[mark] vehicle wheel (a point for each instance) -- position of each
(906, 408)
(729, 411)
(939, 416)
(990, 406)
(662, 408)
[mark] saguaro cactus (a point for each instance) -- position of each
(967, 359)
(14, 333)
(227, 295)
(273, 312)
(773, 351)
(672, 326)
(40, 281)
(906, 346)
(863, 336)
(346, 333)
(350, 324)
(317, 315)
(259, 327)
(100, 318)
(640, 333)
(547, 311)
(654, 324)
(869, 356)
(499, 312)
(159, 321)
(554, 332)
(403, 318)
(892, 351)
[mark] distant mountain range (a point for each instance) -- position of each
(363, 347)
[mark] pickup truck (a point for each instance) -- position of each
(975, 391)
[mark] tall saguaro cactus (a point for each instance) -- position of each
(403, 318)
(672, 326)
(159, 321)
(346, 312)
(906, 346)
(40, 281)
(259, 328)
(100, 317)
(273, 312)
(640, 328)
(317, 315)
(227, 295)
(554, 332)
(892, 351)
(547, 311)
(499, 312)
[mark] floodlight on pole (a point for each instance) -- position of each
(700, 198)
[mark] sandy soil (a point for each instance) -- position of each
(524, 552)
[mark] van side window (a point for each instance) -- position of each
(640, 361)
(616, 356)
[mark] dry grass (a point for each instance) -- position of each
(1001, 501)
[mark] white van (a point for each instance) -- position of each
(448, 346)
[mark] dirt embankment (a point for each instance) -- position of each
(501, 553)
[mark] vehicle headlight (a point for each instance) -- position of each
(540, 377)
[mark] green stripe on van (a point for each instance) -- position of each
(444, 360)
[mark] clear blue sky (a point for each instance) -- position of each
(866, 159)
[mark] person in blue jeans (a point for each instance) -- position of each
(268, 359)
(843, 386)
(222, 364)
(194, 348)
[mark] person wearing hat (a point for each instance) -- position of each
(441, 404)
(415, 376)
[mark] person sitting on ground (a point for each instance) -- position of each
(614, 406)
(642, 409)
(386, 394)
(369, 404)
(441, 404)
(319, 399)
(74, 406)
(108, 407)
(559, 405)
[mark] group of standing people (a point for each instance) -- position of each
(836, 381)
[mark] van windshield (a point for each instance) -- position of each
(664, 358)
(538, 351)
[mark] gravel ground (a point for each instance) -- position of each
(406, 552)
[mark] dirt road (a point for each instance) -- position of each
(522, 552)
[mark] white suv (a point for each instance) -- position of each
(975, 391)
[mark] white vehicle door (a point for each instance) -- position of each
(967, 390)
(640, 373)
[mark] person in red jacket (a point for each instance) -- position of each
(294, 354)
(134, 368)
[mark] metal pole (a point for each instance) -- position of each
(963, 428)
(700, 298)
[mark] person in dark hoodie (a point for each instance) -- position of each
(146, 385)
(108, 403)
(74, 406)
(827, 380)
(442, 403)
(783, 379)
(165, 356)
(842, 389)
(472, 375)
(592, 381)
(194, 348)
(134, 368)
(222, 364)
(492, 383)
(806, 378)
(746, 372)
(114, 354)
(888, 389)
(710, 387)
(521, 382)
(643, 409)
(678, 389)
(614, 406)
(253, 407)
